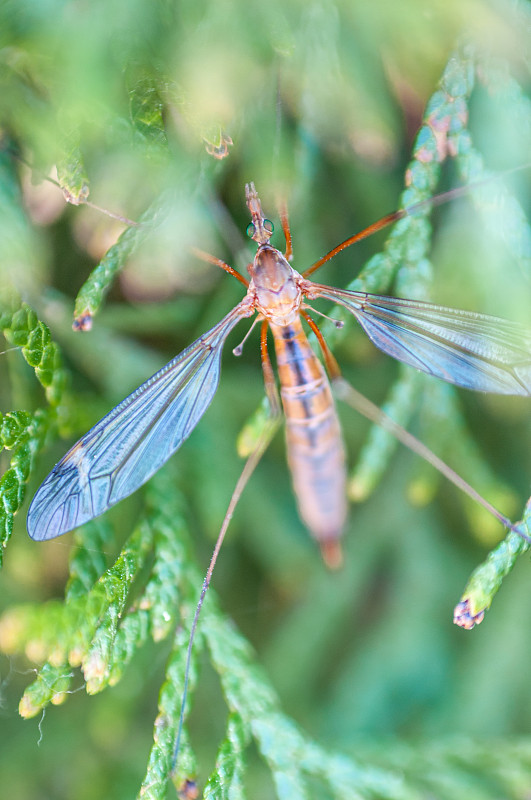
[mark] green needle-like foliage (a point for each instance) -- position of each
(22, 432)
(93, 291)
(352, 685)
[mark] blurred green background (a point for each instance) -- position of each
(322, 102)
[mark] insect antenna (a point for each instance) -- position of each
(364, 406)
(219, 263)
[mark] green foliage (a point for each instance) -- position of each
(134, 110)
(487, 577)
(21, 431)
(93, 291)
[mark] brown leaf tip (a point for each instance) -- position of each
(83, 322)
(464, 617)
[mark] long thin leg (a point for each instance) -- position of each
(219, 263)
(364, 406)
(376, 226)
(269, 376)
(330, 360)
(438, 200)
(261, 445)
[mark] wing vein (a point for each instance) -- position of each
(475, 351)
(134, 440)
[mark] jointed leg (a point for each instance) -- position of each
(284, 220)
(331, 364)
(219, 263)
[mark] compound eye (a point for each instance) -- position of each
(250, 230)
(268, 225)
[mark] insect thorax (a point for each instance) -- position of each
(276, 286)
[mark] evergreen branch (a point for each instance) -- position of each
(154, 611)
(166, 724)
(500, 209)
(226, 781)
(87, 559)
(51, 686)
(105, 647)
(100, 625)
(14, 427)
(504, 211)
(83, 629)
(22, 328)
(290, 755)
(147, 112)
(24, 434)
(405, 254)
(71, 172)
(409, 239)
(459, 766)
(487, 578)
(94, 290)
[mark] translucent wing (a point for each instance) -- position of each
(472, 350)
(133, 441)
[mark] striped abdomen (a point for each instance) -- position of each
(313, 438)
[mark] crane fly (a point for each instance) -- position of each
(124, 449)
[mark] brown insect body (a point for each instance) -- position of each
(122, 451)
(315, 451)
